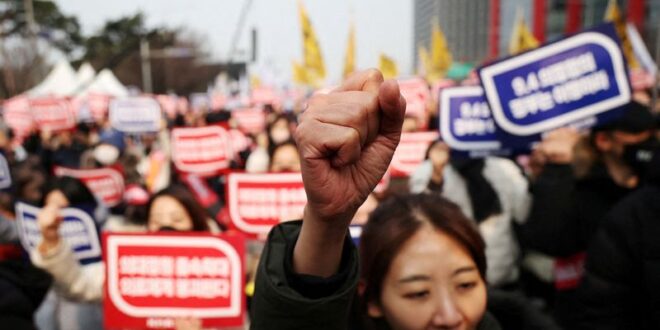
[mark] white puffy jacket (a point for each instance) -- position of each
(502, 250)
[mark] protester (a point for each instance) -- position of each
(285, 158)
(621, 285)
(308, 275)
(567, 210)
(492, 191)
(174, 208)
(60, 309)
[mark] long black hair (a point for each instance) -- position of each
(75, 191)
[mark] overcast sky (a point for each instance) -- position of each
(381, 26)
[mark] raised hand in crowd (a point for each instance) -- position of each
(49, 220)
(346, 140)
(49, 223)
(558, 146)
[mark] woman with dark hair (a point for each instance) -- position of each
(173, 208)
(423, 262)
(73, 190)
(491, 191)
(402, 276)
(346, 140)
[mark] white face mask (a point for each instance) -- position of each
(280, 135)
(106, 154)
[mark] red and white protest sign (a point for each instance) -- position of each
(257, 202)
(410, 152)
(201, 150)
(264, 95)
(54, 114)
(17, 115)
(416, 92)
(105, 183)
(250, 120)
(152, 279)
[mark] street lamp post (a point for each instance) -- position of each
(146, 55)
(146, 66)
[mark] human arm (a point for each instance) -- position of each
(82, 283)
(553, 224)
(346, 140)
(307, 282)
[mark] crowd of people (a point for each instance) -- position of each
(561, 237)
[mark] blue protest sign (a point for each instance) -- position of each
(77, 229)
(573, 79)
(5, 174)
(466, 123)
(135, 115)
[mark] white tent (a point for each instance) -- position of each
(61, 81)
(85, 75)
(105, 83)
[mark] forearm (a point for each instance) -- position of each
(71, 279)
(318, 249)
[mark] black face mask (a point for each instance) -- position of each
(639, 156)
(167, 229)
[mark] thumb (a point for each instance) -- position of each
(393, 108)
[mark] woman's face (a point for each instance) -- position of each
(432, 283)
(166, 211)
(56, 198)
(279, 131)
(285, 159)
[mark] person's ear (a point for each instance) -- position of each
(603, 142)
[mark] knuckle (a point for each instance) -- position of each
(316, 101)
(354, 136)
(299, 133)
(374, 74)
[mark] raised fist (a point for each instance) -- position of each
(346, 140)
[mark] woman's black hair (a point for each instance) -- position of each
(75, 191)
(197, 213)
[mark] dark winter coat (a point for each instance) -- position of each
(284, 300)
(621, 286)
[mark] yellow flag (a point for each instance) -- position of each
(313, 60)
(521, 38)
(424, 61)
(349, 60)
(300, 75)
(613, 14)
(441, 58)
(255, 81)
(388, 67)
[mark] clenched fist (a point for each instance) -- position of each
(346, 140)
